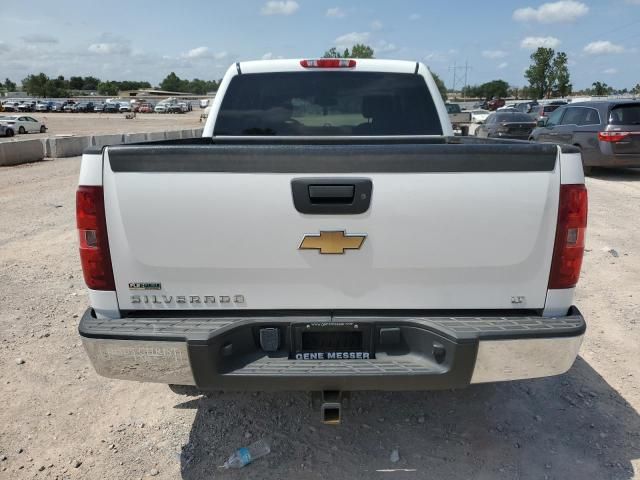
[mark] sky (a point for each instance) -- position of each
(145, 40)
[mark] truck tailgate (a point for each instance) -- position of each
(215, 226)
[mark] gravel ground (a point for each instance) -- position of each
(60, 420)
(102, 123)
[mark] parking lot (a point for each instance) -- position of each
(60, 420)
(106, 123)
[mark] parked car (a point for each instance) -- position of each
(69, 107)
(6, 130)
(145, 108)
(27, 106)
(606, 132)
(10, 106)
(111, 108)
(494, 104)
(161, 108)
(84, 107)
(527, 107)
(99, 107)
(56, 107)
(479, 115)
(43, 106)
(506, 106)
(23, 124)
(204, 103)
(503, 124)
(544, 110)
(459, 120)
(124, 107)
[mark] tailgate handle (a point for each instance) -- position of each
(331, 195)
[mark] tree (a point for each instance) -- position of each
(90, 83)
(540, 73)
(332, 53)
(76, 83)
(174, 83)
(494, 88)
(600, 89)
(359, 50)
(636, 90)
(108, 88)
(440, 84)
(549, 75)
(9, 85)
(561, 83)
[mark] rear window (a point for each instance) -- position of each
(551, 108)
(625, 114)
(513, 117)
(327, 104)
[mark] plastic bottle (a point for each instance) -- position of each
(245, 455)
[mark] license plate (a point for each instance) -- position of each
(331, 342)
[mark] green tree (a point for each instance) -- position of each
(494, 88)
(636, 90)
(332, 53)
(90, 83)
(359, 50)
(600, 89)
(561, 77)
(440, 84)
(174, 83)
(540, 73)
(108, 88)
(9, 85)
(76, 83)
(548, 75)
(36, 85)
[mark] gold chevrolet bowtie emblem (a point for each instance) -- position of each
(332, 243)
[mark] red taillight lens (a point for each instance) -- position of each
(94, 244)
(329, 63)
(612, 137)
(570, 236)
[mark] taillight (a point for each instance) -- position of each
(329, 63)
(94, 244)
(570, 236)
(612, 137)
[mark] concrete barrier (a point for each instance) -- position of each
(173, 135)
(61, 147)
(155, 136)
(135, 137)
(197, 132)
(21, 151)
(186, 133)
(102, 140)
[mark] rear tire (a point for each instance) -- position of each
(43, 129)
(21, 131)
(10, 133)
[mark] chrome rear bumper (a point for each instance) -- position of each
(192, 352)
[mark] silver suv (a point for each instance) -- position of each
(607, 132)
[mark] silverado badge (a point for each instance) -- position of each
(332, 243)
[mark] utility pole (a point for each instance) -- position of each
(462, 78)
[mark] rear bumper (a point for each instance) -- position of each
(223, 353)
(610, 160)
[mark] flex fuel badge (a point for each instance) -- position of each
(145, 286)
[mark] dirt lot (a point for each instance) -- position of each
(102, 123)
(60, 420)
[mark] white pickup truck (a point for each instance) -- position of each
(329, 233)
